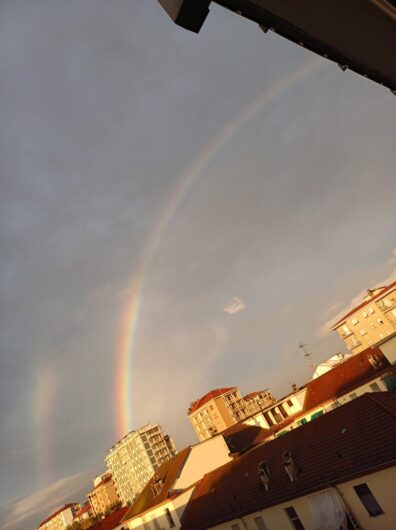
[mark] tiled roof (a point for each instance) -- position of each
(84, 509)
(111, 521)
(326, 451)
(168, 472)
(240, 437)
(60, 510)
(344, 377)
(207, 397)
(366, 302)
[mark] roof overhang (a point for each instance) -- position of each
(356, 34)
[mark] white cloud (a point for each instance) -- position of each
(233, 305)
(29, 511)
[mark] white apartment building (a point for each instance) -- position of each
(134, 459)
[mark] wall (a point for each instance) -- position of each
(203, 457)
(381, 484)
(389, 350)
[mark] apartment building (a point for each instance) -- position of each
(103, 495)
(259, 400)
(370, 323)
(60, 519)
(216, 411)
(134, 459)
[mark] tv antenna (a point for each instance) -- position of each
(307, 354)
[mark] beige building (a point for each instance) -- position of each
(60, 519)
(318, 476)
(260, 400)
(370, 323)
(216, 411)
(103, 495)
(134, 459)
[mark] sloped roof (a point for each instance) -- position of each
(84, 509)
(366, 302)
(207, 397)
(111, 521)
(60, 510)
(327, 451)
(240, 437)
(168, 472)
(344, 377)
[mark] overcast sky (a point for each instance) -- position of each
(288, 213)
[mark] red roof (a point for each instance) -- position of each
(84, 509)
(327, 451)
(207, 397)
(111, 521)
(344, 377)
(168, 472)
(352, 311)
(60, 510)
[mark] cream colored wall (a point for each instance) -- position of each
(382, 484)
(375, 332)
(389, 350)
(224, 413)
(203, 457)
(157, 513)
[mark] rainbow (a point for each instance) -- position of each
(132, 311)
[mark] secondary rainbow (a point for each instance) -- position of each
(131, 313)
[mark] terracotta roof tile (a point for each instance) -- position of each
(327, 451)
(344, 377)
(60, 510)
(207, 397)
(111, 521)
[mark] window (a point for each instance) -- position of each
(260, 524)
(353, 396)
(345, 330)
(294, 518)
(316, 414)
(235, 527)
(169, 518)
(375, 387)
(289, 402)
(371, 310)
(355, 321)
(365, 314)
(363, 332)
(368, 500)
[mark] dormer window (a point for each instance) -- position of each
(289, 466)
(374, 360)
(264, 474)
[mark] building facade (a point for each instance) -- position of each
(103, 495)
(60, 519)
(370, 323)
(134, 459)
(216, 411)
(318, 476)
(260, 400)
